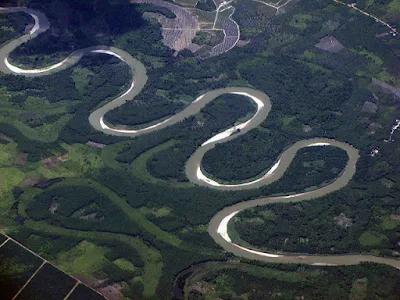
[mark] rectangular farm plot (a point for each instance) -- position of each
(49, 283)
(16, 267)
(83, 292)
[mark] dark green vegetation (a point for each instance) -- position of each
(16, 267)
(143, 111)
(236, 281)
(142, 226)
(79, 207)
(256, 152)
(253, 17)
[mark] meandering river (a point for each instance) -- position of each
(218, 227)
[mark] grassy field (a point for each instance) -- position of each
(84, 259)
(9, 177)
(124, 264)
(81, 77)
(359, 289)
(371, 238)
(109, 153)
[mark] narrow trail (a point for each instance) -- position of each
(219, 223)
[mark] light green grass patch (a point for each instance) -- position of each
(156, 212)
(386, 182)
(359, 289)
(124, 264)
(52, 130)
(308, 54)
(394, 8)
(300, 21)
(268, 215)
(286, 120)
(316, 68)
(83, 158)
(110, 152)
(83, 259)
(369, 55)
(9, 177)
(54, 172)
(387, 78)
(42, 105)
(8, 153)
(162, 212)
(388, 223)
(371, 238)
(81, 78)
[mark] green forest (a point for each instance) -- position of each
(122, 211)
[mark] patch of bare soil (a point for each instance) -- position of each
(31, 181)
(5, 138)
(307, 128)
(330, 44)
(383, 34)
(395, 217)
(373, 127)
(92, 216)
(242, 43)
(343, 221)
(95, 145)
(54, 161)
(22, 159)
(369, 107)
(395, 91)
(179, 32)
(112, 291)
(53, 207)
(202, 287)
(28, 28)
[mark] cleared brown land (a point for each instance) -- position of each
(330, 44)
(179, 32)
